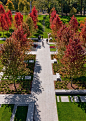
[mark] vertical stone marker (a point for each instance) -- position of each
(71, 98)
(58, 98)
(76, 99)
(83, 98)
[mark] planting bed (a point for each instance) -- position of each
(21, 113)
(52, 47)
(23, 86)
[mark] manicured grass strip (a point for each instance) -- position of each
(6, 112)
(68, 111)
(52, 49)
(21, 113)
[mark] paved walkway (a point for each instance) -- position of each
(44, 94)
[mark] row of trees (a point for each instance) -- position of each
(12, 53)
(6, 20)
(62, 6)
(71, 45)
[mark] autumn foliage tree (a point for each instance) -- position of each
(74, 23)
(52, 15)
(83, 36)
(56, 23)
(2, 11)
(73, 60)
(10, 15)
(30, 23)
(18, 19)
(13, 54)
(13, 59)
(34, 16)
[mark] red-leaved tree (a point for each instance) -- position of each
(10, 15)
(7, 20)
(52, 15)
(83, 36)
(3, 23)
(34, 16)
(21, 37)
(73, 23)
(56, 24)
(18, 19)
(73, 60)
(2, 11)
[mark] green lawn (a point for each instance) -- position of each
(68, 111)
(21, 113)
(6, 112)
(41, 31)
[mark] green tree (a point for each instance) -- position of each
(10, 5)
(45, 4)
(29, 21)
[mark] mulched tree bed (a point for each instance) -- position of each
(78, 83)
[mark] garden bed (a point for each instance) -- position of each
(23, 86)
(52, 47)
(67, 85)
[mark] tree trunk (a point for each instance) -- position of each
(15, 85)
(71, 82)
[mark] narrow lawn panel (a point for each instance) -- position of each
(21, 113)
(68, 111)
(6, 112)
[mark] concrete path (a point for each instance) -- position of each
(45, 109)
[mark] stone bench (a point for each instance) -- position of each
(31, 61)
(28, 77)
(30, 113)
(58, 77)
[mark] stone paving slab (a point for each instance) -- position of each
(76, 99)
(58, 99)
(83, 98)
(64, 99)
(54, 77)
(16, 98)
